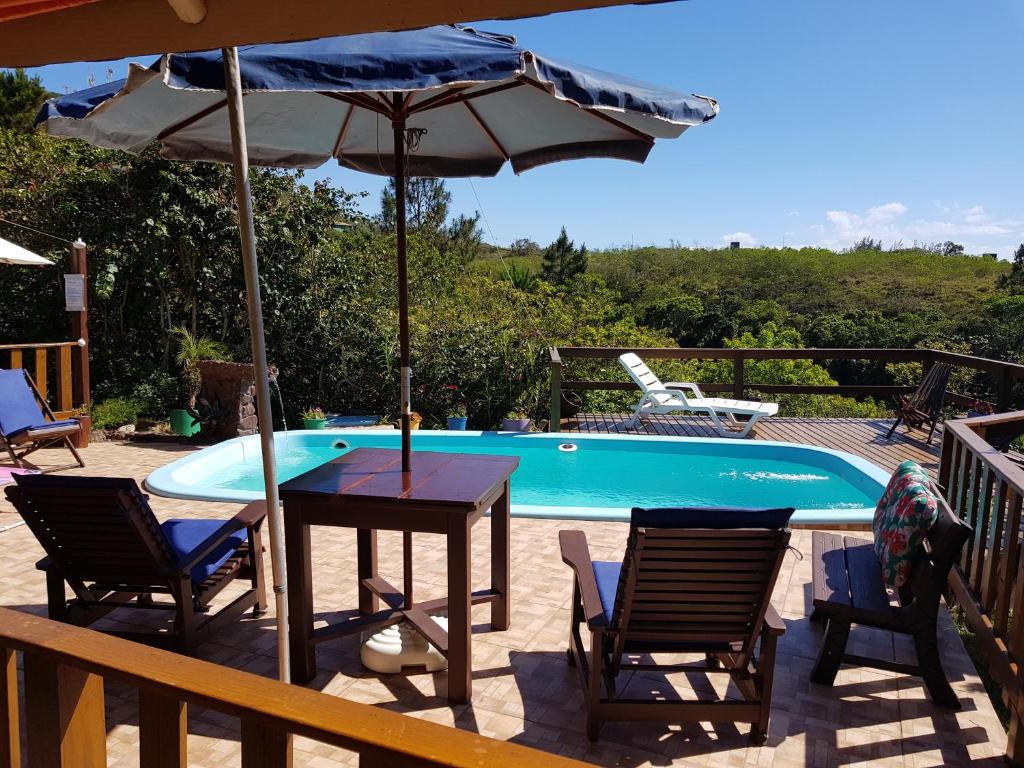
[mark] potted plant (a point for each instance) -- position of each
(191, 349)
(314, 418)
(979, 408)
(516, 420)
(457, 417)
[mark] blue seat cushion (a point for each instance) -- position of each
(606, 574)
(18, 407)
(187, 536)
(719, 518)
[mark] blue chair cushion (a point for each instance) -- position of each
(18, 407)
(719, 518)
(606, 574)
(186, 536)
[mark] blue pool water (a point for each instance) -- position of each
(604, 477)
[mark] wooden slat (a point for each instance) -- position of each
(991, 551)
(265, 746)
(1011, 571)
(10, 744)
(981, 519)
(163, 726)
(39, 374)
(15, 358)
(867, 592)
(828, 560)
(64, 715)
(64, 379)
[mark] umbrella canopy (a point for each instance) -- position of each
(475, 100)
(15, 254)
(441, 101)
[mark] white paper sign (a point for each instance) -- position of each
(74, 292)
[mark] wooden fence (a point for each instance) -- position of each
(1003, 374)
(985, 488)
(65, 668)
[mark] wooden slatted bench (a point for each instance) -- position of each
(848, 589)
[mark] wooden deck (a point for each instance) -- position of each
(861, 437)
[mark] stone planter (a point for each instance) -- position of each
(229, 394)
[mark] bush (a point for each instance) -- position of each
(115, 412)
(156, 395)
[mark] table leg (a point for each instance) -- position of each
(366, 556)
(501, 576)
(460, 620)
(299, 570)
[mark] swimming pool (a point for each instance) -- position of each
(599, 478)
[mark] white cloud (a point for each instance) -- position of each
(976, 229)
(745, 239)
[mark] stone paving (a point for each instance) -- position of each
(523, 690)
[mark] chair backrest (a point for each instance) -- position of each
(942, 546)
(931, 392)
(95, 529)
(18, 407)
(640, 373)
(698, 577)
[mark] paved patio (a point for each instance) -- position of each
(523, 689)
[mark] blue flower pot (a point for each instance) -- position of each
(457, 422)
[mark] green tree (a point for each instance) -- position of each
(562, 260)
(427, 203)
(1013, 282)
(21, 97)
(679, 316)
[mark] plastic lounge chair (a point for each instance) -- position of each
(22, 423)
(925, 405)
(659, 398)
(693, 581)
(102, 539)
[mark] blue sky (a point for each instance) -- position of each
(895, 120)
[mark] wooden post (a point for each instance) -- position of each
(737, 375)
(265, 747)
(1005, 390)
(163, 726)
(10, 744)
(555, 424)
(64, 716)
(80, 330)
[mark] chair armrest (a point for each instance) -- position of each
(773, 623)
(576, 554)
(685, 385)
(250, 517)
(670, 392)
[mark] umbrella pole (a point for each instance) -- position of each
(405, 412)
(247, 235)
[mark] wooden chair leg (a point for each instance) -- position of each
(56, 600)
(893, 427)
(766, 677)
(13, 454)
(593, 692)
(832, 651)
(932, 431)
(74, 451)
(927, 647)
(185, 618)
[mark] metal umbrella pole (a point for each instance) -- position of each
(247, 236)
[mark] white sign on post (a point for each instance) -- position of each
(74, 292)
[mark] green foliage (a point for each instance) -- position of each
(562, 260)
(679, 316)
(427, 203)
(521, 278)
(21, 97)
(1013, 282)
(115, 412)
(193, 348)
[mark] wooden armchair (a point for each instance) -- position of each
(102, 539)
(924, 406)
(693, 581)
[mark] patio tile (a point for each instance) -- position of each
(524, 691)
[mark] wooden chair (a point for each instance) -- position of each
(848, 589)
(924, 406)
(22, 423)
(693, 581)
(101, 537)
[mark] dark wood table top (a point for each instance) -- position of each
(462, 480)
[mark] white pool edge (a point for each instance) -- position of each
(163, 481)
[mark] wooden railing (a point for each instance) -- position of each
(985, 487)
(41, 360)
(65, 668)
(1003, 374)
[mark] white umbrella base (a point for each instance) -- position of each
(395, 649)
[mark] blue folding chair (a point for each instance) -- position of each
(22, 422)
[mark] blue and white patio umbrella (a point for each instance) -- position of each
(442, 102)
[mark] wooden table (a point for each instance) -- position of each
(365, 489)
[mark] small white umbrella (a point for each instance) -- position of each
(15, 254)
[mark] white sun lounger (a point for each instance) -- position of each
(659, 398)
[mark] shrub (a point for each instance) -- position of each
(115, 412)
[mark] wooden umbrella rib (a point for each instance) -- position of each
(344, 129)
(595, 113)
(191, 120)
(454, 97)
(359, 100)
(484, 127)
